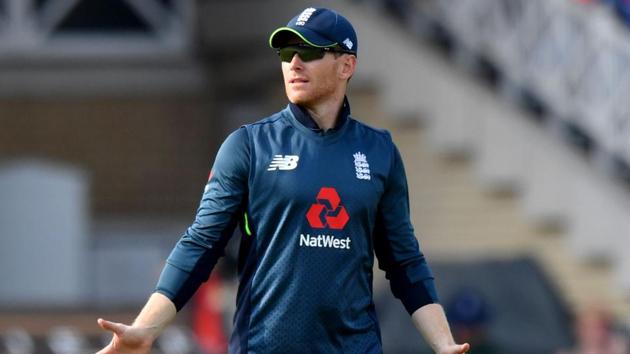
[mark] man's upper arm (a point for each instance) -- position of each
(396, 246)
(224, 197)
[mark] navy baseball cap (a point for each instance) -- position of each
(318, 27)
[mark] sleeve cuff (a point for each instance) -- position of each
(177, 285)
(414, 296)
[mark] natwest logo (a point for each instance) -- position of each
(328, 211)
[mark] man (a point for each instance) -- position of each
(316, 194)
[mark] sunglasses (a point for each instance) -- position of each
(306, 52)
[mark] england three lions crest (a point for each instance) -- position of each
(361, 166)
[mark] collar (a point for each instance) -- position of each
(302, 115)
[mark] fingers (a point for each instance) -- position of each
(102, 351)
(106, 350)
(117, 328)
(457, 349)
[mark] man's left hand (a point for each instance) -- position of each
(455, 349)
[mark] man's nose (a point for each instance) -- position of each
(296, 62)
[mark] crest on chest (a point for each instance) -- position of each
(361, 166)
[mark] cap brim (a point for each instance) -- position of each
(278, 37)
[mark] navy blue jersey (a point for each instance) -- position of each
(314, 208)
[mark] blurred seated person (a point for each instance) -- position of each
(469, 315)
(595, 334)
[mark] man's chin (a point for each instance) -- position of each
(299, 100)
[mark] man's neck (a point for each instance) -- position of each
(326, 113)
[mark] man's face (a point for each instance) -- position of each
(312, 82)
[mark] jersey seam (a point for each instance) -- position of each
(178, 267)
(379, 131)
(268, 120)
(254, 240)
(392, 161)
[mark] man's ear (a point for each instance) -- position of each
(347, 67)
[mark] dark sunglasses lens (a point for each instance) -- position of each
(286, 54)
(305, 53)
(308, 54)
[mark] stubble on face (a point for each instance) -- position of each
(321, 80)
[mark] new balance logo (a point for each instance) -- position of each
(283, 162)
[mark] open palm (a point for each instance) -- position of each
(126, 339)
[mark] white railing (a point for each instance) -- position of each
(573, 56)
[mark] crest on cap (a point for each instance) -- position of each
(318, 27)
(305, 16)
(348, 43)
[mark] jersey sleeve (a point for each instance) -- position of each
(396, 246)
(203, 243)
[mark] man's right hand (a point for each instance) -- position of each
(127, 339)
(139, 337)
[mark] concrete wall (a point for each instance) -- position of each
(143, 155)
(43, 234)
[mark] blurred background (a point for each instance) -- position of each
(512, 117)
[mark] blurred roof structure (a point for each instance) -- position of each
(60, 45)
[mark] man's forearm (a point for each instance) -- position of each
(156, 314)
(432, 324)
